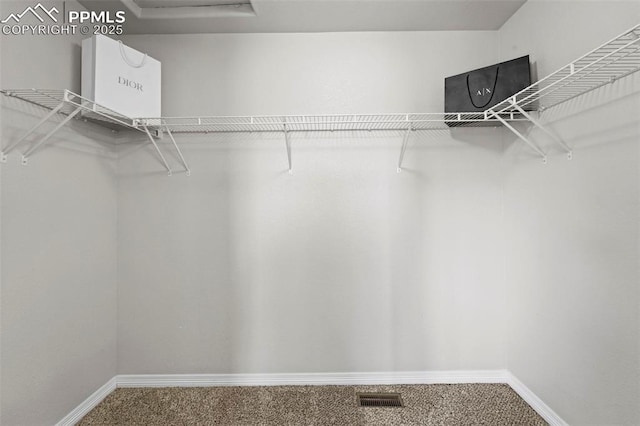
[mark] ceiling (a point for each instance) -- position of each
(267, 16)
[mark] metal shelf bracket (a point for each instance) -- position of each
(12, 146)
(405, 141)
(288, 145)
(184, 162)
(536, 123)
(526, 140)
(25, 156)
(155, 145)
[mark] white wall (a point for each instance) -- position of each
(58, 265)
(572, 227)
(322, 73)
(344, 265)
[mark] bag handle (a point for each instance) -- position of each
(493, 91)
(127, 60)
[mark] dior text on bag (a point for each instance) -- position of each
(120, 78)
(480, 89)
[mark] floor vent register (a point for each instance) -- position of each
(379, 400)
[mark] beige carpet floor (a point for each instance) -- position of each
(464, 404)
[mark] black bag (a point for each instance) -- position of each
(479, 90)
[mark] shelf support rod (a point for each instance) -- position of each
(25, 156)
(184, 162)
(288, 144)
(8, 149)
(536, 123)
(155, 145)
(405, 141)
(521, 136)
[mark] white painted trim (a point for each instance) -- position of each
(535, 402)
(88, 404)
(366, 378)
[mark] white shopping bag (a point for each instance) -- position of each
(120, 78)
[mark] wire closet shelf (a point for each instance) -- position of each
(325, 123)
(611, 61)
(66, 102)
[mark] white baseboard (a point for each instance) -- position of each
(535, 402)
(367, 378)
(88, 404)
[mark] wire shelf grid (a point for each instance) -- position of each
(68, 102)
(613, 60)
(325, 123)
